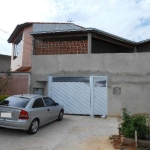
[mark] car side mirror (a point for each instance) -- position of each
(56, 104)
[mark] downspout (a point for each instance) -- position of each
(33, 49)
(32, 53)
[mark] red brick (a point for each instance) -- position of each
(61, 47)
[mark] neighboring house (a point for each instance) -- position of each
(5, 62)
(87, 70)
(19, 82)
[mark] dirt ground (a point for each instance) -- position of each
(116, 142)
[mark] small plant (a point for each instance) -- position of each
(2, 97)
(132, 123)
(110, 137)
(5, 82)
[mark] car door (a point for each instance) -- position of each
(52, 107)
(39, 110)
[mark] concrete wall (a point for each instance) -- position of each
(129, 72)
(5, 62)
(19, 84)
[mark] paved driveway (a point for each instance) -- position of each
(72, 133)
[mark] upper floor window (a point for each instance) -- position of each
(18, 47)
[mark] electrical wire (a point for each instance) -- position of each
(3, 39)
(10, 34)
(4, 31)
(17, 45)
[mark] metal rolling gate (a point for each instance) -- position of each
(80, 95)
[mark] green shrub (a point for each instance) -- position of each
(132, 123)
(2, 97)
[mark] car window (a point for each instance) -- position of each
(38, 103)
(15, 101)
(48, 101)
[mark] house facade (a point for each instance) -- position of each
(87, 70)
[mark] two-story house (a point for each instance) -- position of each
(85, 69)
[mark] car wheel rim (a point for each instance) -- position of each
(61, 115)
(34, 126)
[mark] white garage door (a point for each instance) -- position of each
(73, 94)
(80, 95)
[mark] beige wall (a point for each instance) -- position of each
(16, 63)
(23, 62)
(130, 71)
(27, 47)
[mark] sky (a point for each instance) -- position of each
(129, 19)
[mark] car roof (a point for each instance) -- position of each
(29, 96)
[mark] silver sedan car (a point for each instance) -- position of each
(29, 112)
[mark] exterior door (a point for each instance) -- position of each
(51, 112)
(39, 108)
(100, 96)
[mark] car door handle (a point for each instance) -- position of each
(48, 110)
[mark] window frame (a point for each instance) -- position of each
(51, 100)
(35, 101)
(15, 47)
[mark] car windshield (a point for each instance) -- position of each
(14, 101)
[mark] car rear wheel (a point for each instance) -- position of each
(33, 127)
(60, 117)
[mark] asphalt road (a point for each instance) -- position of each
(72, 133)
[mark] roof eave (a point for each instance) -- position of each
(86, 30)
(17, 30)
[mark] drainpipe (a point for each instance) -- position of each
(33, 42)
(32, 53)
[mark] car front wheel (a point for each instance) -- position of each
(60, 117)
(33, 127)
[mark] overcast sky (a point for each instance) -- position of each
(126, 18)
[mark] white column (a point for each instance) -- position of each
(50, 86)
(92, 95)
(89, 43)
